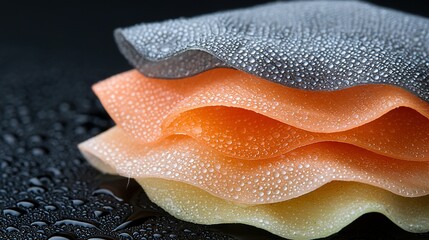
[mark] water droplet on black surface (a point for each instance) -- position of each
(12, 229)
(39, 151)
(100, 238)
(4, 165)
(78, 223)
(37, 190)
(26, 203)
(98, 213)
(50, 207)
(59, 238)
(9, 138)
(107, 192)
(126, 236)
(35, 182)
(62, 236)
(157, 235)
(65, 107)
(20, 150)
(55, 171)
(77, 202)
(13, 211)
(36, 139)
(39, 223)
(108, 208)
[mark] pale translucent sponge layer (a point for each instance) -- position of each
(317, 214)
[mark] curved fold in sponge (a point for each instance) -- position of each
(264, 119)
(303, 170)
(401, 134)
(317, 214)
(311, 45)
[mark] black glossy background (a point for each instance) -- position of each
(50, 55)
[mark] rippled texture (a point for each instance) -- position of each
(253, 182)
(313, 45)
(309, 102)
(47, 108)
(401, 134)
(243, 140)
(249, 118)
(317, 214)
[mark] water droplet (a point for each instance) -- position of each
(125, 236)
(9, 138)
(197, 130)
(37, 190)
(50, 207)
(77, 202)
(65, 107)
(99, 213)
(100, 238)
(36, 139)
(62, 236)
(13, 211)
(12, 229)
(157, 235)
(38, 223)
(107, 192)
(165, 48)
(39, 151)
(26, 204)
(55, 171)
(35, 182)
(74, 222)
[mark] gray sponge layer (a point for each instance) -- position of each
(313, 45)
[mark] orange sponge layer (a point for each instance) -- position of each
(303, 170)
(246, 117)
